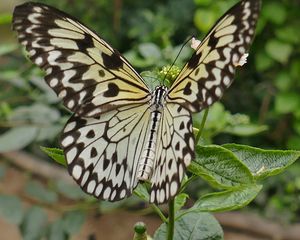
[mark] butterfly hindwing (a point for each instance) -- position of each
(174, 152)
(211, 69)
(84, 71)
(102, 153)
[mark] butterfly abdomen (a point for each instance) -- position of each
(146, 162)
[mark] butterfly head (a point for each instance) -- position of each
(158, 97)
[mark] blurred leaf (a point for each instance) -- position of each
(5, 18)
(72, 191)
(286, 102)
(288, 34)
(294, 142)
(150, 51)
(48, 132)
(56, 231)
(203, 2)
(227, 200)
(17, 138)
(73, 221)
(2, 171)
(245, 129)
(263, 61)
(34, 224)
(38, 191)
(36, 113)
(180, 200)
(279, 51)
(11, 209)
(192, 225)
(283, 81)
(204, 19)
(7, 48)
(220, 167)
(263, 163)
(142, 192)
(275, 12)
(56, 154)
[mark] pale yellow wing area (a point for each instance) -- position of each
(211, 69)
(85, 72)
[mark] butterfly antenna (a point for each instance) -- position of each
(183, 45)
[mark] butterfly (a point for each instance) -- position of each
(122, 133)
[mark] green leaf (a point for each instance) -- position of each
(56, 154)
(142, 192)
(34, 224)
(275, 12)
(220, 167)
(286, 102)
(263, 163)
(180, 200)
(17, 138)
(192, 225)
(38, 191)
(279, 51)
(227, 200)
(11, 209)
(73, 221)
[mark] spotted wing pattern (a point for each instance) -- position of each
(85, 72)
(102, 153)
(211, 69)
(175, 150)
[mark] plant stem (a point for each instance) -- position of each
(171, 219)
(159, 212)
(201, 126)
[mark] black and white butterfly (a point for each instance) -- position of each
(121, 132)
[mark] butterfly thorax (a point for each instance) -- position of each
(147, 160)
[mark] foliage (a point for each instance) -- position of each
(151, 35)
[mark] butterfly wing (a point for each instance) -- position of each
(85, 72)
(175, 150)
(211, 69)
(102, 153)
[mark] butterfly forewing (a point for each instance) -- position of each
(84, 71)
(211, 69)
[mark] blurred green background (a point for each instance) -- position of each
(262, 107)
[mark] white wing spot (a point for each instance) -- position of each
(226, 81)
(71, 154)
(68, 141)
(218, 92)
(106, 193)
(38, 61)
(99, 189)
(62, 94)
(71, 104)
(91, 186)
(173, 189)
(70, 126)
(85, 178)
(53, 82)
(77, 171)
(123, 193)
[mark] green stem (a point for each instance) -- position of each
(159, 212)
(171, 219)
(201, 126)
